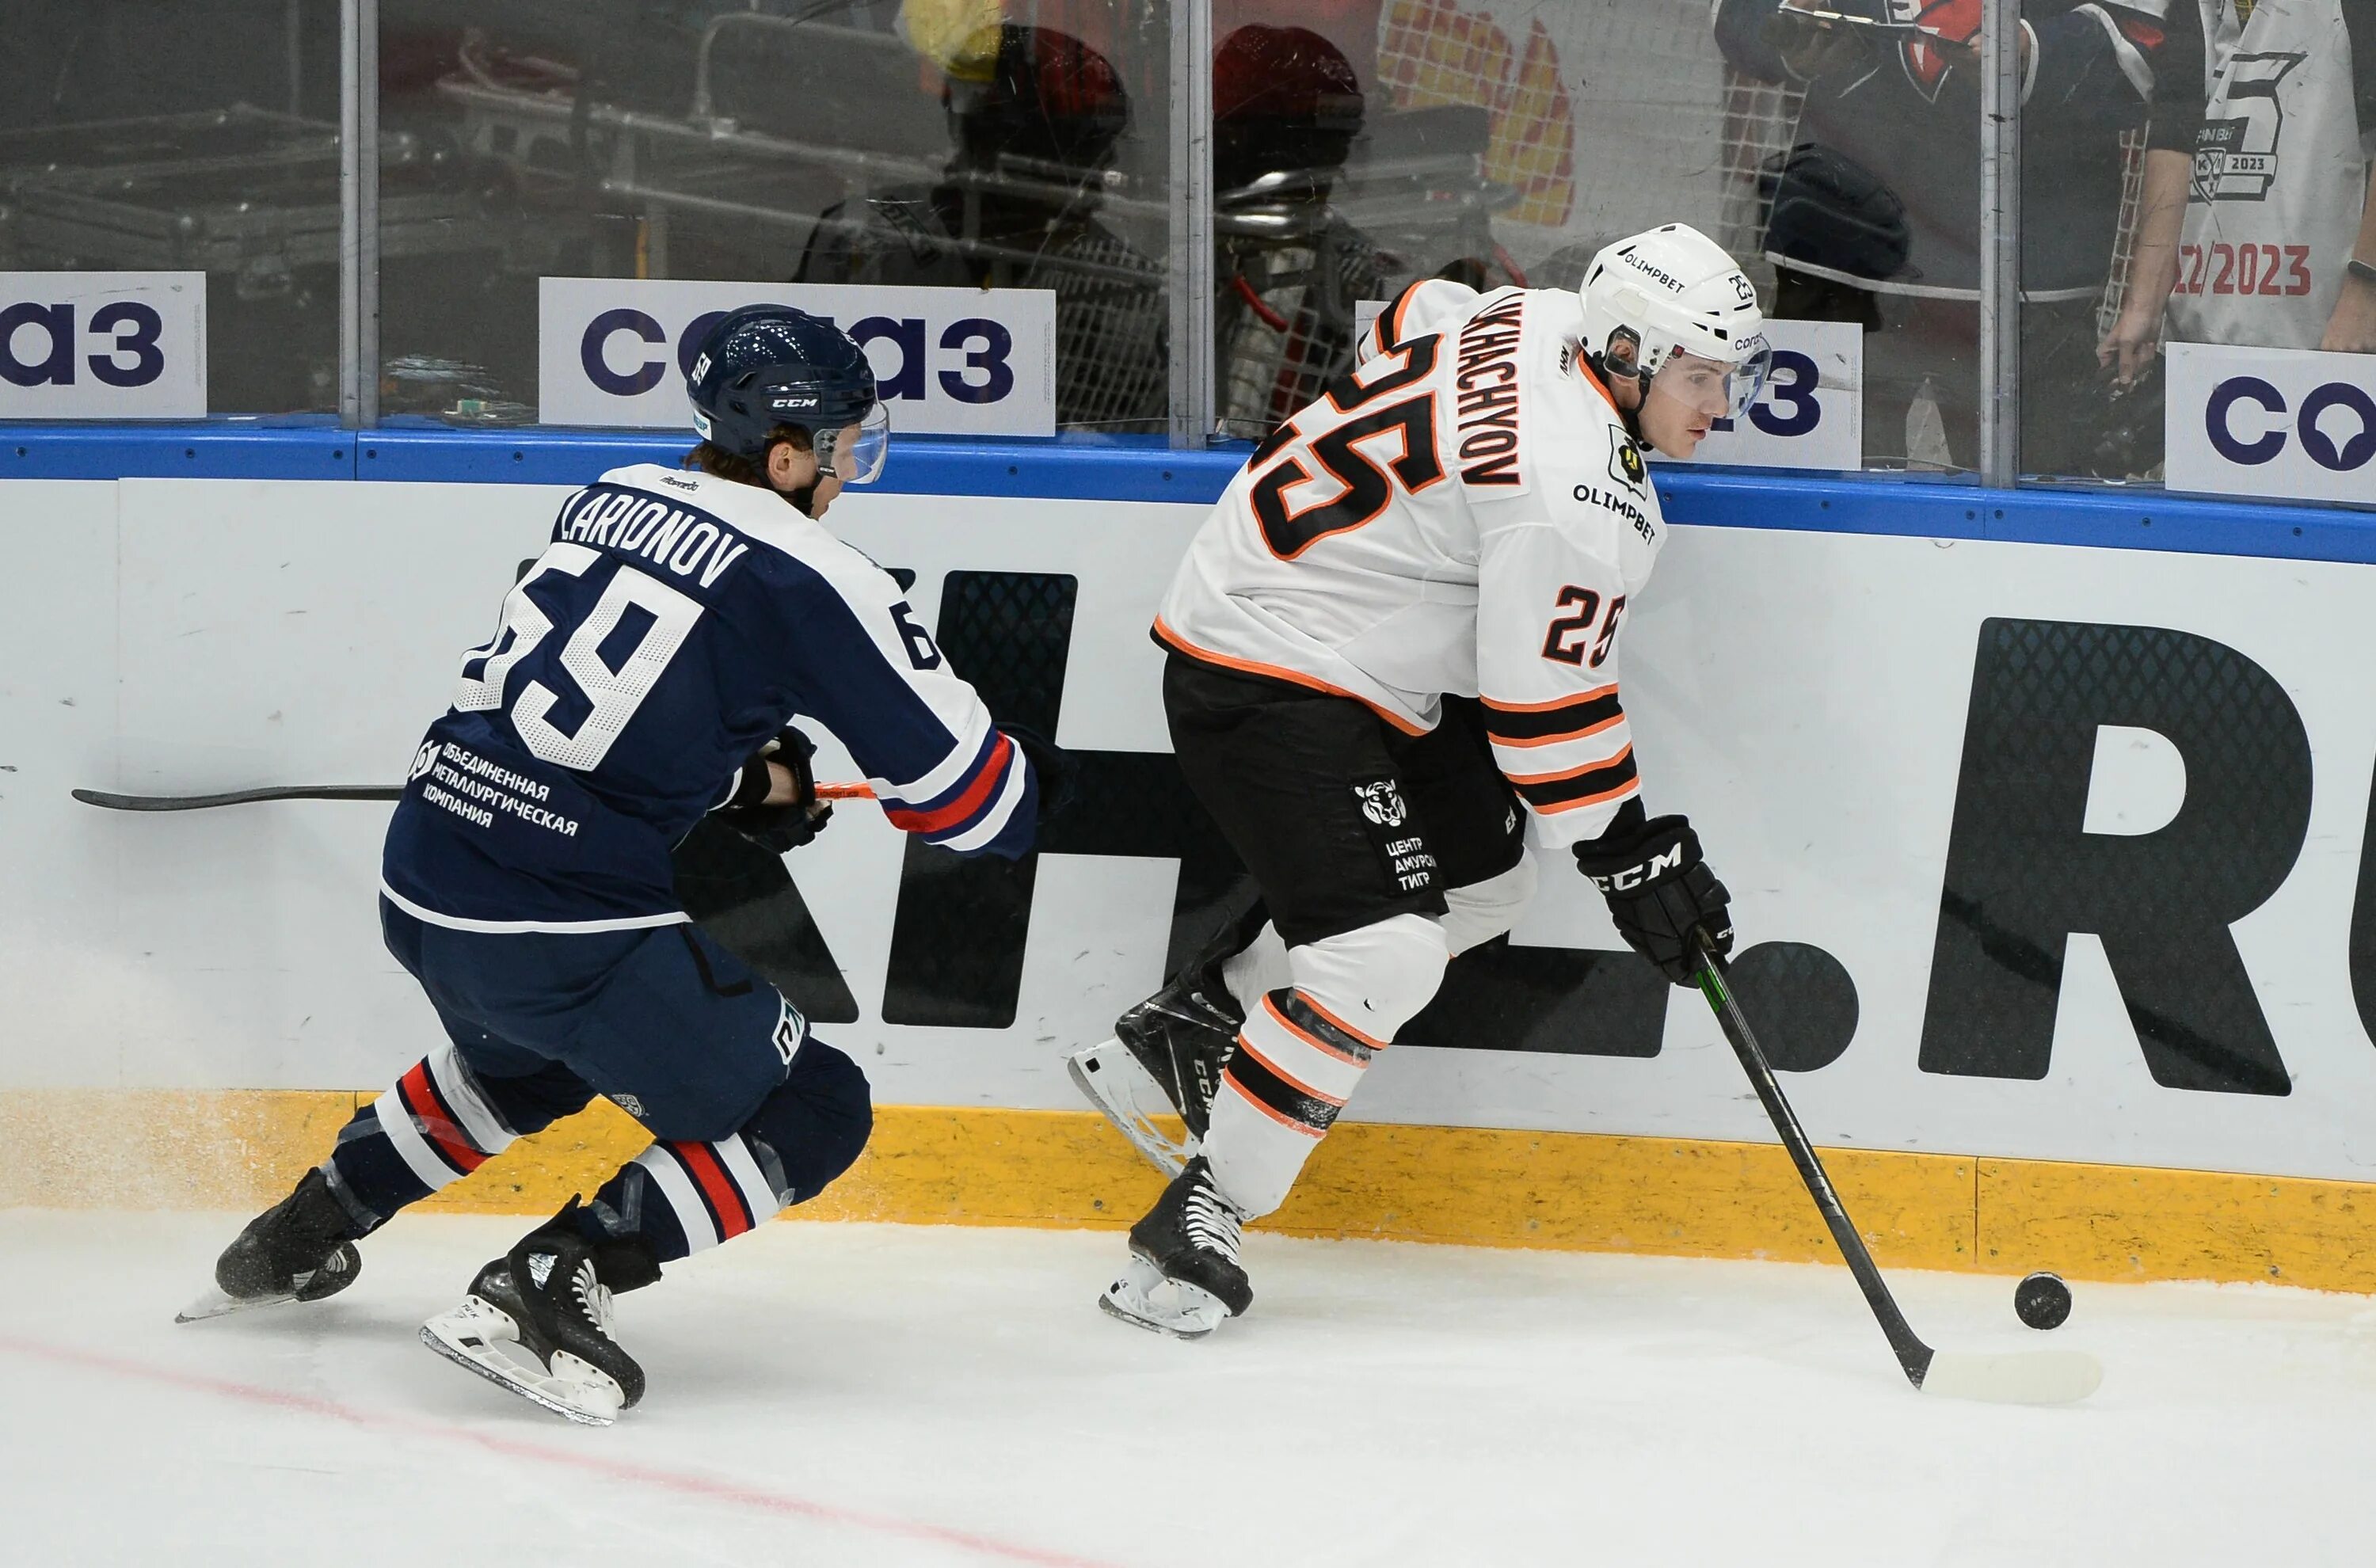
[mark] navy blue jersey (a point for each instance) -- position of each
(673, 625)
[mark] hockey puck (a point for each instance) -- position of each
(2042, 1300)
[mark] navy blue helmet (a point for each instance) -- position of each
(765, 365)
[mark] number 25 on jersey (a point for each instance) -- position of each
(1570, 639)
(1342, 437)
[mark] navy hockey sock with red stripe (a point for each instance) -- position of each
(681, 1196)
(438, 1123)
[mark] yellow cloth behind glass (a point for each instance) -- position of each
(959, 36)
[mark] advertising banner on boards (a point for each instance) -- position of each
(102, 345)
(2045, 852)
(615, 352)
(2293, 424)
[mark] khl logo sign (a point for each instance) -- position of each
(618, 352)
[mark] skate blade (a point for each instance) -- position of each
(214, 1303)
(475, 1335)
(1145, 1298)
(1122, 1090)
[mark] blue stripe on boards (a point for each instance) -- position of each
(1141, 468)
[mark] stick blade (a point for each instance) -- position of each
(2029, 1377)
(115, 803)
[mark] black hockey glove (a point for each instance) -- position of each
(1659, 891)
(784, 828)
(1058, 774)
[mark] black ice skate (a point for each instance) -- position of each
(1173, 1044)
(300, 1249)
(537, 1322)
(1183, 1276)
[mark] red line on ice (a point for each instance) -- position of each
(680, 1481)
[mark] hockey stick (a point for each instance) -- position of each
(859, 792)
(2036, 1377)
(238, 797)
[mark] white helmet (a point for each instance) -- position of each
(1671, 291)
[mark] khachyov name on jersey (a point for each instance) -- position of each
(1487, 384)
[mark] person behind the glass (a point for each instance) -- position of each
(1286, 108)
(1035, 115)
(2257, 216)
(1875, 213)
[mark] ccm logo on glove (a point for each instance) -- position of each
(1662, 864)
(1659, 892)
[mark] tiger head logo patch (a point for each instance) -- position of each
(1382, 802)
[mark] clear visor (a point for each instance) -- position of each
(855, 454)
(1712, 388)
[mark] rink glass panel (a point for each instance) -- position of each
(1362, 144)
(202, 138)
(2243, 197)
(2084, 123)
(864, 143)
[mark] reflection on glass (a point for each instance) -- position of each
(1874, 211)
(201, 137)
(935, 142)
(1290, 266)
(1035, 115)
(1362, 144)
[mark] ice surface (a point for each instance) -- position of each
(875, 1395)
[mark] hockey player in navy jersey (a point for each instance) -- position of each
(646, 673)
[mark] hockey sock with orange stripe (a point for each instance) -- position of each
(1293, 1072)
(1305, 1046)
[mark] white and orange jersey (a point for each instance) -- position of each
(1465, 515)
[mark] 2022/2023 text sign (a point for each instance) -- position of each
(615, 351)
(102, 345)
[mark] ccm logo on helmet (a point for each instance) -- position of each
(980, 373)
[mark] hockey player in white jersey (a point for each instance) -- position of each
(1393, 655)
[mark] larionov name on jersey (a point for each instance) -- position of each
(686, 542)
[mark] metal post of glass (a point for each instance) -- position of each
(2000, 366)
(359, 213)
(1190, 259)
